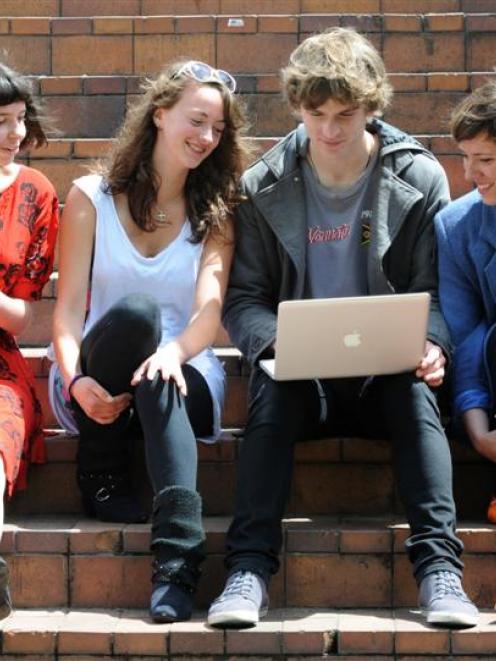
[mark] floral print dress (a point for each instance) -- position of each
(28, 228)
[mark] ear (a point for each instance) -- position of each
(158, 117)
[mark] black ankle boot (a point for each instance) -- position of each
(107, 497)
(173, 590)
(177, 542)
(5, 601)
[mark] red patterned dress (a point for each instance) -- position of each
(28, 228)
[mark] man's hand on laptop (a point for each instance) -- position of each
(431, 367)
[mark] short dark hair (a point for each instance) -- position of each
(17, 87)
(476, 114)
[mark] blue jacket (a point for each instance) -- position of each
(466, 234)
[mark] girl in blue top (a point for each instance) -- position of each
(466, 233)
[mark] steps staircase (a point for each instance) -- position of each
(345, 589)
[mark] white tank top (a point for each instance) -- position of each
(170, 277)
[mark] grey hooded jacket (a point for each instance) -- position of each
(270, 225)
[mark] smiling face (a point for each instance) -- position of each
(12, 131)
(335, 129)
(479, 163)
(190, 130)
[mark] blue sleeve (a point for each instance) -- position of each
(462, 307)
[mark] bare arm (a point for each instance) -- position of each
(76, 243)
(205, 319)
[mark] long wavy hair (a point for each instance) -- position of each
(211, 189)
(15, 87)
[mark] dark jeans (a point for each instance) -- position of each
(116, 345)
(281, 413)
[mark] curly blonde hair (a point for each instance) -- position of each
(340, 64)
(211, 189)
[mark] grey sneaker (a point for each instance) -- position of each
(242, 603)
(444, 602)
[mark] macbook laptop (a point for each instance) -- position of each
(329, 338)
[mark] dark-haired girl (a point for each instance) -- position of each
(150, 237)
(28, 226)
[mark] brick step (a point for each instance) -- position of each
(347, 635)
(68, 562)
(236, 370)
(140, 45)
(65, 160)
(337, 476)
(77, 8)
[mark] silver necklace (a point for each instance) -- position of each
(160, 217)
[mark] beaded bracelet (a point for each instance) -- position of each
(73, 381)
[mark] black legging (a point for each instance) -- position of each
(110, 353)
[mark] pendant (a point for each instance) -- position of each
(160, 217)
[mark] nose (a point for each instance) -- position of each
(207, 135)
(17, 129)
(469, 169)
(330, 130)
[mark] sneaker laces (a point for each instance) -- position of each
(448, 585)
(240, 584)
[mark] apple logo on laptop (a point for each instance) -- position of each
(352, 339)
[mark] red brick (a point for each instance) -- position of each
(28, 642)
(138, 637)
(96, 538)
(254, 53)
(481, 640)
(317, 581)
(29, 54)
(264, 639)
(4, 25)
(268, 83)
(29, 7)
(262, 7)
(366, 449)
(444, 22)
(92, 55)
(454, 170)
(94, 7)
(110, 582)
(341, 6)
(484, 23)
(42, 541)
(152, 51)
(234, 413)
(84, 642)
(237, 24)
(54, 149)
(365, 541)
(458, 82)
(423, 113)
(318, 23)
(87, 116)
(365, 632)
(309, 633)
(7, 541)
(404, 588)
(154, 25)
(179, 7)
(481, 48)
(195, 638)
(61, 85)
(71, 26)
(477, 5)
(421, 6)
(443, 144)
(195, 24)
(30, 26)
(136, 538)
(402, 23)
(105, 85)
(113, 25)
(91, 148)
(362, 23)
(61, 448)
(407, 82)
(61, 173)
(414, 637)
(325, 450)
(38, 581)
(278, 23)
(438, 52)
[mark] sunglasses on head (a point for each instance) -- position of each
(204, 73)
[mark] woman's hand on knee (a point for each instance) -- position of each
(98, 403)
(167, 361)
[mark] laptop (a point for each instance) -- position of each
(330, 338)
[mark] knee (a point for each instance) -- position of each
(140, 312)
(157, 392)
